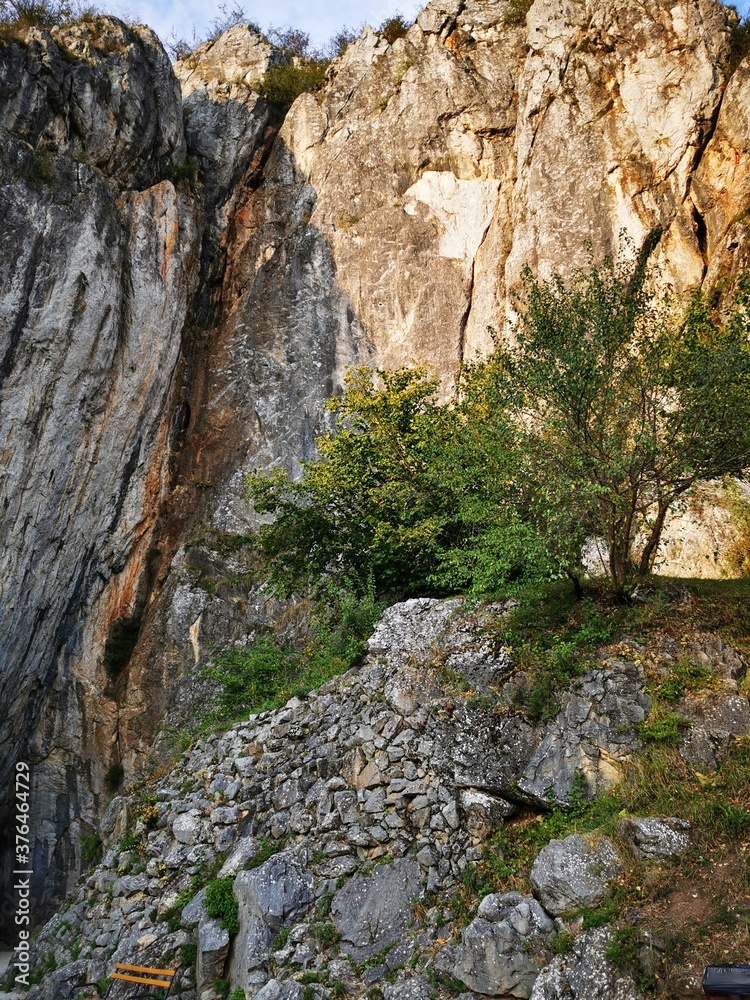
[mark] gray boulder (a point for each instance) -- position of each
(275, 894)
(416, 988)
(275, 990)
(372, 913)
(571, 873)
(657, 838)
(714, 722)
(213, 948)
(194, 912)
(503, 948)
(593, 731)
(584, 973)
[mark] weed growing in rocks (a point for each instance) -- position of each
(222, 903)
(270, 672)
(516, 12)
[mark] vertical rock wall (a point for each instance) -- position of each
(98, 265)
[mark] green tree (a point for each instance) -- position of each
(607, 408)
(368, 508)
(624, 407)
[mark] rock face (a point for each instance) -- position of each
(372, 914)
(653, 838)
(98, 266)
(273, 896)
(179, 297)
(502, 950)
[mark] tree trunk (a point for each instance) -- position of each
(653, 541)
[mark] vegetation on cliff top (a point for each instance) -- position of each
(611, 405)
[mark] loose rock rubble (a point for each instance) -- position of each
(347, 820)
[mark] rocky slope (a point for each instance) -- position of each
(186, 278)
(357, 825)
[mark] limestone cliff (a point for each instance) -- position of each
(185, 282)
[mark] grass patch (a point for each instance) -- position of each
(551, 635)
(91, 848)
(269, 673)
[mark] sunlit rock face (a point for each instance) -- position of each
(187, 274)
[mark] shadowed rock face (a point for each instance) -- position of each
(159, 336)
(98, 265)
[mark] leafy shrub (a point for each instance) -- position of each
(91, 848)
(394, 27)
(326, 933)
(20, 14)
(661, 728)
(516, 11)
(222, 903)
(341, 42)
(268, 673)
(128, 841)
(283, 83)
(624, 954)
(249, 677)
(188, 954)
(739, 43)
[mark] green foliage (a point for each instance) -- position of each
(188, 954)
(91, 848)
(326, 933)
(222, 987)
(249, 677)
(283, 83)
(340, 42)
(663, 728)
(624, 954)
(607, 410)
(267, 674)
(682, 678)
(394, 27)
(266, 850)
(739, 43)
(121, 642)
(239, 994)
(186, 171)
(638, 406)
(551, 636)
(128, 842)
(562, 943)
(516, 11)
(16, 15)
(173, 914)
(222, 903)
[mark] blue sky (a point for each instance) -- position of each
(320, 18)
